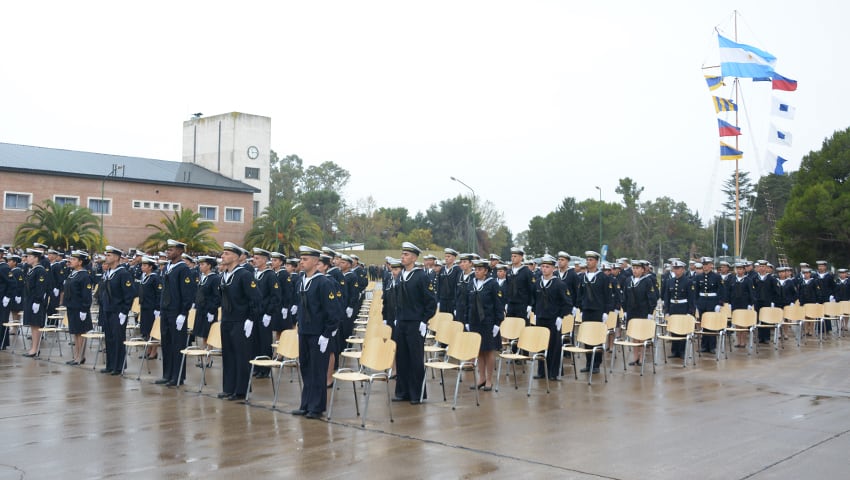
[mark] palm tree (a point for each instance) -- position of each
(60, 226)
(283, 227)
(185, 227)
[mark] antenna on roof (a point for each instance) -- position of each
(197, 115)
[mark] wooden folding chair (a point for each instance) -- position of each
(464, 350)
(375, 364)
(286, 355)
(144, 343)
(213, 349)
(590, 338)
(679, 327)
(640, 333)
(534, 341)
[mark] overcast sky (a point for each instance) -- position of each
(525, 101)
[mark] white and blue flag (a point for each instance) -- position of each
(744, 61)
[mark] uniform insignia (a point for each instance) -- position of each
(253, 284)
(159, 287)
(289, 279)
(342, 282)
(338, 294)
(276, 285)
(127, 283)
(499, 293)
(533, 280)
(187, 280)
(331, 296)
(431, 287)
(88, 286)
(40, 279)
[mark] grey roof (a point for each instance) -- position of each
(53, 161)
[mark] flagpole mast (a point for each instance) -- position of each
(737, 147)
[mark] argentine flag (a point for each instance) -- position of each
(744, 61)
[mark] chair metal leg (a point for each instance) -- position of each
(356, 402)
(366, 406)
(331, 403)
(498, 374)
(250, 381)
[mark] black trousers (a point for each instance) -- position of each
(708, 342)
(553, 354)
(4, 317)
(409, 359)
(173, 340)
(592, 316)
(235, 351)
(114, 334)
(314, 373)
(262, 344)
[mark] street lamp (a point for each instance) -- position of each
(114, 173)
(471, 215)
(600, 219)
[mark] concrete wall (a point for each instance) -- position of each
(220, 143)
(125, 227)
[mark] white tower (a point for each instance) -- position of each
(236, 145)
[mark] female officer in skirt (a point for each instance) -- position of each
(484, 314)
(77, 300)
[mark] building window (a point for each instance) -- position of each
(208, 213)
(137, 204)
(152, 205)
(66, 200)
(100, 206)
(252, 173)
(232, 214)
(256, 208)
(17, 201)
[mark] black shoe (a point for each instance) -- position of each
(584, 370)
(400, 399)
(474, 387)
(299, 412)
(554, 379)
(486, 388)
(105, 370)
(236, 397)
(71, 362)
(161, 381)
(223, 395)
(538, 377)
(313, 415)
(31, 355)
(712, 351)
(674, 355)
(596, 370)
(703, 350)
(262, 375)
(415, 402)
(636, 363)
(115, 372)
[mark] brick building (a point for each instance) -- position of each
(126, 192)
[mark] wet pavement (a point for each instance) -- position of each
(778, 414)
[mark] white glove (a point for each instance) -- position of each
(395, 323)
(284, 312)
(385, 322)
(506, 308)
(649, 317)
(323, 343)
(6, 301)
(122, 318)
(17, 299)
(717, 308)
(467, 327)
(55, 292)
(156, 313)
(210, 317)
(604, 317)
(333, 334)
(625, 317)
(193, 306)
(294, 309)
(454, 312)
(528, 309)
(749, 307)
(266, 320)
(422, 328)
(831, 298)
(558, 322)
(249, 325)
(82, 316)
(575, 311)
(181, 319)
(772, 305)
(349, 311)
(438, 306)
(35, 307)
(495, 330)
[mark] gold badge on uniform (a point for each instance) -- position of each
(253, 284)
(431, 287)
(187, 280)
(40, 279)
(499, 293)
(88, 286)
(331, 296)
(127, 283)
(276, 285)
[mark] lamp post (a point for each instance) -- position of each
(114, 173)
(600, 218)
(471, 215)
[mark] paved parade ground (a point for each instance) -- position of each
(778, 414)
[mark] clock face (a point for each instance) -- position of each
(253, 152)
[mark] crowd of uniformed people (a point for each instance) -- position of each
(257, 294)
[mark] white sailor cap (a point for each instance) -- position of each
(451, 251)
(108, 249)
(263, 252)
(517, 251)
(278, 255)
(677, 264)
(149, 260)
(591, 253)
(186, 256)
(347, 258)
(495, 257)
(306, 251)
(409, 247)
(175, 243)
(563, 254)
(232, 247)
(548, 260)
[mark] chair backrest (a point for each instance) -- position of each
(380, 331)
(770, 315)
(214, 337)
(578, 316)
(568, 324)
(713, 320)
(378, 355)
(793, 313)
(466, 346)
(447, 331)
(640, 329)
(743, 318)
(845, 307)
(592, 333)
(287, 347)
(156, 334)
(512, 327)
(831, 309)
(726, 310)
(813, 310)
(437, 321)
(533, 339)
(136, 308)
(681, 324)
(190, 319)
(611, 323)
